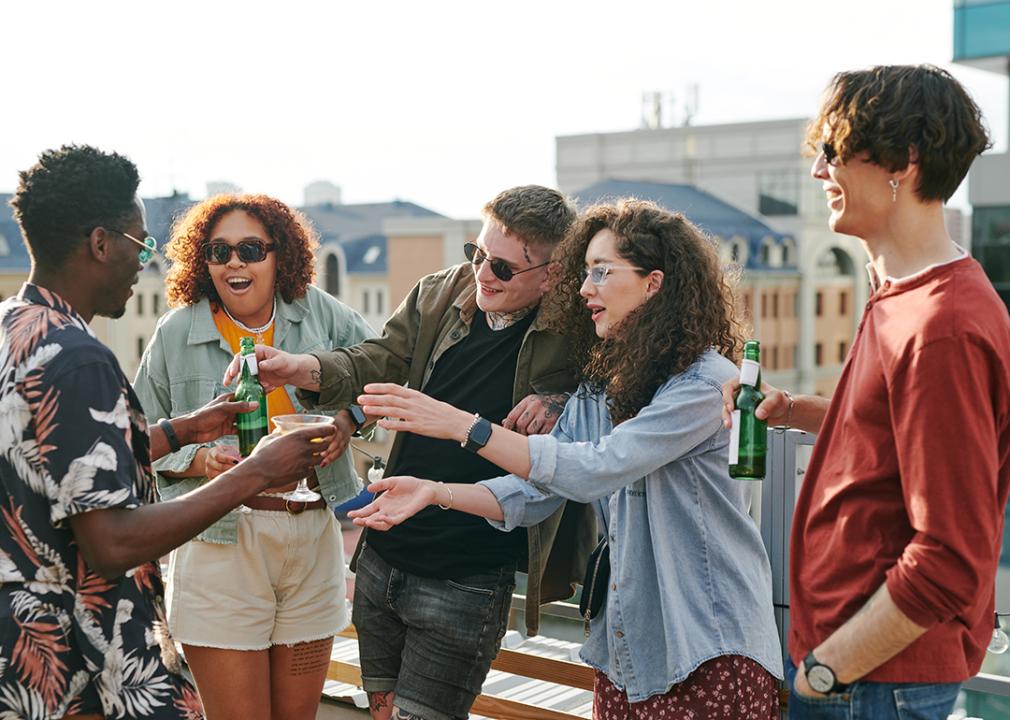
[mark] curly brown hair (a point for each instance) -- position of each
(188, 280)
(888, 109)
(694, 309)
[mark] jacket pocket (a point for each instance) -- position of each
(188, 394)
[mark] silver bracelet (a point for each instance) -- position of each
(448, 490)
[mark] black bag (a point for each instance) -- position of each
(594, 586)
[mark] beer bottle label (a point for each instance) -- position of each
(250, 361)
(749, 372)
(734, 439)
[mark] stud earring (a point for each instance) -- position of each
(894, 189)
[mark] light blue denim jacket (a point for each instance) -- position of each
(690, 579)
(183, 365)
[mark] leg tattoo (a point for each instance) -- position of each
(379, 701)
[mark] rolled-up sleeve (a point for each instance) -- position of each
(947, 445)
(684, 414)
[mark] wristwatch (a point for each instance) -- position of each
(357, 417)
(820, 677)
(478, 434)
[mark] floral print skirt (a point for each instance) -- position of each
(730, 687)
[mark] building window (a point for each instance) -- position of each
(764, 305)
(842, 349)
(379, 302)
(747, 311)
(156, 302)
(843, 303)
(140, 304)
(333, 274)
(796, 304)
(819, 304)
(365, 302)
(779, 192)
(818, 354)
(796, 356)
(774, 359)
(141, 344)
(990, 244)
(775, 304)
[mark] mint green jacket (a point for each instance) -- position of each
(183, 365)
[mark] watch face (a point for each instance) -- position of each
(820, 678)
(481, 432)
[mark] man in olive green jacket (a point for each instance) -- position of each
(469, 335)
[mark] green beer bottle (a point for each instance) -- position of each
(748, 443)
(251, 425)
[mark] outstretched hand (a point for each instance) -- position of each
(403, 409)
(402, 497)
(278, 368)
(216, 418)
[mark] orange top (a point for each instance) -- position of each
(278, 402)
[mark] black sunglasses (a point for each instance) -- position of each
(499, 267)
(249, 251)
(830, 154)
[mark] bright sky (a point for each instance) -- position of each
(440, 103)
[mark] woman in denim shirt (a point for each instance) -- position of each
(257, 598)
(687, 625)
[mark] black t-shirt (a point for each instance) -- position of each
(477, 375)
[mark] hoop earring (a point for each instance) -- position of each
(894, 189)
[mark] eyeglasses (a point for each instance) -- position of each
(149, 245)
(499, 267)
(597, 274)
(830, 154)
(249, 251)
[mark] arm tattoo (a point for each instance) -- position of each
(317, 376)
(555, 403)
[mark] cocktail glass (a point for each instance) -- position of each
(288, 423)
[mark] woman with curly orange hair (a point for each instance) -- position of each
(257, 598)
(684, 625)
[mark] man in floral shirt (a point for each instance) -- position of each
(82, 622)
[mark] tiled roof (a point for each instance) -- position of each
(713, 215)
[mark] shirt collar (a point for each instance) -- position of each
(38, 295)
(876, 283)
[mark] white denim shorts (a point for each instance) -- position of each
(282, 583)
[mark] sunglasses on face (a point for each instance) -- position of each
(499, 267)
(249, 251)
(830, 154)
(149, 245)
(597, 274)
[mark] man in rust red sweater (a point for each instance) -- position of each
(897, 529)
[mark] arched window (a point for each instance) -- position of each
(333, 274)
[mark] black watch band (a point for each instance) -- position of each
(357, 417)
(820, 677)
(173, 440)
(478, 434)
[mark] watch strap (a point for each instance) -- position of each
(357, 416)
(173, 440)
(810, 662)
(478, 434)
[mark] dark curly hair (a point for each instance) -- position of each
(694, 309)
(888, 109)
(188, 280)
(67, 194)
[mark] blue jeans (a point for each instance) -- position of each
(874, 701)
(429, 641)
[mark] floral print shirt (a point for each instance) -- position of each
(73, 438)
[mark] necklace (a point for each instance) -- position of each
(257, 333)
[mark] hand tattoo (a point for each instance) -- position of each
(317, 376)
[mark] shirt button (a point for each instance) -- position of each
(455, 334)
(619, 634)
(431, 364)
(613, 586)
(333, 498)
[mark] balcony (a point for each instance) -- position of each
(541, 679)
